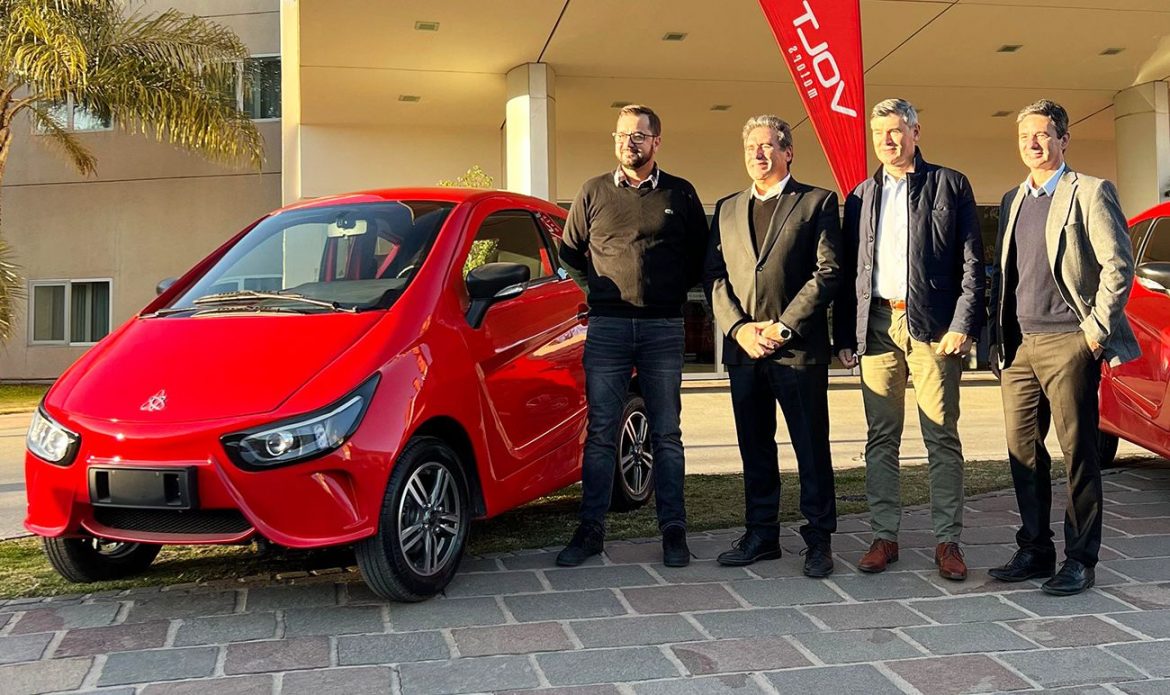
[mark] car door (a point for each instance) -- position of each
(529, 348)
(1145, 381)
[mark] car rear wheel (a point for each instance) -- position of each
(634, 472)
(423, 526)
(88, 559)
(1107, 449)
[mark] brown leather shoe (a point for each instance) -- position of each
(949, 558)
(881, 553)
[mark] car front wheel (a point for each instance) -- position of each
(423, 526)
(634, 471)
(88, 559)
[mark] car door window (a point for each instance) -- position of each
(554, 228)
(510, 236)
(1157, 247)
(1137, 234)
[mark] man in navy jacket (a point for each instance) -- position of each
(914, 249)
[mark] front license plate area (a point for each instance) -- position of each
(145, 488)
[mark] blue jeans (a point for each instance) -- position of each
(614, 348)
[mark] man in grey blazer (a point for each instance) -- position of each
(1063, 272)
(771, 273)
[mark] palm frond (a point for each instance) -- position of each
(178, 39)
(12, 292)
(44, 42)
(81, 157)
(181, 108)
(162, 74)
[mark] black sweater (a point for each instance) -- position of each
(635, 251)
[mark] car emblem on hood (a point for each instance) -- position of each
(155, 403)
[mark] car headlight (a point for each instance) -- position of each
(50, 441)
(303, 437)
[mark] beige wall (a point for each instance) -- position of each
(150, 212)
(336, 159)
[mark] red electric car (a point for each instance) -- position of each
(1135, 397)
(374, 370)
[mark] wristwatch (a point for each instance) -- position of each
(785, 333)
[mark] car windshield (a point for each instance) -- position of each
(335, 258)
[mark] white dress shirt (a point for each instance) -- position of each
(771, 192)
(891, 258)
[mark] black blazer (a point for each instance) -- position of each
(792, 280)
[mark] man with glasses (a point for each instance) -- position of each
(635, 242)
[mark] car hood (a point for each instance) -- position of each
(182, 369)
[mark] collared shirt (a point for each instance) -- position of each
(622, 181)
(1049, 187)
(891, 256)
(771, 192)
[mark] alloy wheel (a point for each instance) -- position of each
(430, 517)
(636, 458)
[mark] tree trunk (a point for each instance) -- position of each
(11, 281)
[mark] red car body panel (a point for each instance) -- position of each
(510, 395)
(1135, 397)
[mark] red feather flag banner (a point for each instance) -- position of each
(820, 41)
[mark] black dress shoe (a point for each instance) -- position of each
(1024, 565)
(748, 549)
(1073, 578)
(818, 561)
(588, 540)
(675, 552)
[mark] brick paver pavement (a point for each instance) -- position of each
(625, 624)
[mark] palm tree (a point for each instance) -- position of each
(161, 75)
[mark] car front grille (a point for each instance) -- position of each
(188, 523)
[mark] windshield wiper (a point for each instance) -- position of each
(236, 308)
(255, 294)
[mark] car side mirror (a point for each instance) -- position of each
(164, 285)
(491, 283)
(1154, 276)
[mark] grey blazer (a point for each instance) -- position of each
(1091, 258)
(792, 279)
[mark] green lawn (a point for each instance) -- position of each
(713, 502)
(17, 398)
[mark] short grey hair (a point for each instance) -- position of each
(896, 107)
(1051, 110)
(778, 125)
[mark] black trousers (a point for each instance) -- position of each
(802, 392)
(1053, 377)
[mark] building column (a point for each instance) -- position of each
(530, 131)
(1142, 122)
(290, 101)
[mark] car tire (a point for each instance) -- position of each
(422, 529)
(1107, 449)
(88, 559)
(633, 480)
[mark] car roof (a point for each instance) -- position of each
(440, 194)
(1162, 210)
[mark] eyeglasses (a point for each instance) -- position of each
(636, 137)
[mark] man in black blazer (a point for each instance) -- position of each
(771, 273)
